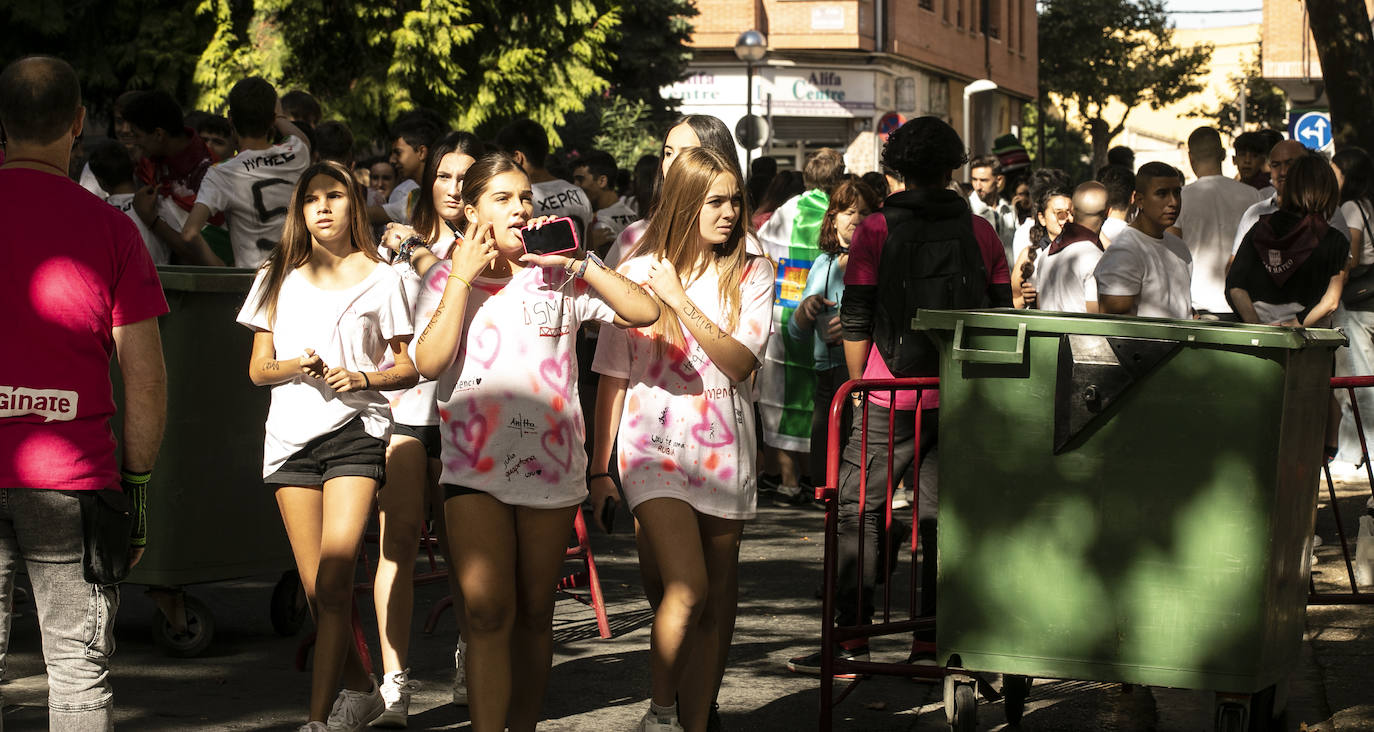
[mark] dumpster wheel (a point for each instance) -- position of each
(189, 641)
(965, 709)
(289, 609)
(1015, 689)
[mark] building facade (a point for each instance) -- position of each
(838, 73)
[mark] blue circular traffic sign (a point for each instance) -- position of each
(1313, 130)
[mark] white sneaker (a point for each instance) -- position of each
(354, 709)
(313, 727)
(460, 674)
(659, 722)
(396, 688)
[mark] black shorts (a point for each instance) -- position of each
(347, 451)
(453, 491)
(427, 434)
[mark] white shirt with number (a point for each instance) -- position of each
(1157, 272)
(253, 189)
(349, 328)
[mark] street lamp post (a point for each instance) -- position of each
(750, 47)
(970, 89)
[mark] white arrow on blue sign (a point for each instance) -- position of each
(1313, 130)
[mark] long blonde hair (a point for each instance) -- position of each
(294, 249)
(674, 234)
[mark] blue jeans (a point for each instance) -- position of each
(43, 529)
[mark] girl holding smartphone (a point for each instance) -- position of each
(500, 344)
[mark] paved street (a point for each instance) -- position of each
(246, 679)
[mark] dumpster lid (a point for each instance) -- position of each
(205, 279)
(1184, 331)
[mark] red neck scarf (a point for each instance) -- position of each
(1284, 241)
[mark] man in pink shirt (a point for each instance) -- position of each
(82, 290)
(925, 151)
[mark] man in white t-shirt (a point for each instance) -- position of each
(1147, 271)
(987, 201)
(253, 189)
(595, 174)
(1120, 184)
(1063, 276)
(1280, 158)
(1212, 207)
(528, 143)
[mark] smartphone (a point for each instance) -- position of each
(555, 237)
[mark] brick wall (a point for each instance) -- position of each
(1285, 34)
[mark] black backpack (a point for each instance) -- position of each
(930, 260)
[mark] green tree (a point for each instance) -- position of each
(1066, 144)
(474, 62)
(652, 53)
(1265, 104)
(625, 131)
(1094, 52)
(1341, 30)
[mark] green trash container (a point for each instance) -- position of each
(1127, 499)
(210, 518)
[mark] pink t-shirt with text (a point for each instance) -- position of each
(865, 255)
(74, 268)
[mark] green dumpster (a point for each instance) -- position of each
(210, 518)
(1127, 499)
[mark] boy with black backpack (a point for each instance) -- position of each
(926, 250)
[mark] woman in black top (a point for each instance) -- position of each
(1291, 266)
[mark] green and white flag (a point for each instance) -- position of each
(787, 377)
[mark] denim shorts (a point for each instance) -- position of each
(427, 434)
(347, 451)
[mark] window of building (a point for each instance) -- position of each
(959, 12)
(994, 19)
(928, 5)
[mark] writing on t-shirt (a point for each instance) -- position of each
(260, 161)
(561, 199)
(51, 404)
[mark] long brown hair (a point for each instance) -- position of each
(674, 233)
(852, 193)
(296, 242)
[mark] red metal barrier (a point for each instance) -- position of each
(1348, 384)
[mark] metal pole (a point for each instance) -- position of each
(966, 132)
(749, 112)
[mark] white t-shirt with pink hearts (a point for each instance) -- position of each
(510, 422)
(687, 430)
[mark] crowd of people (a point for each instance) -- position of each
(421, 358)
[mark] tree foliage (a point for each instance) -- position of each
(652, 53)
(114, 45)
(1093, 52)
(625, 131)
(1341, 30)
(471, 61)
(1266, 106)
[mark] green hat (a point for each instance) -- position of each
(1011, 154)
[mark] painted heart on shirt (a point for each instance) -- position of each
(555, 372)
(560, 435)
(702, 431)
(486, 346)
(470, 437)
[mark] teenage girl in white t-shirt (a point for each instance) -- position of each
(500, 344)
(1355, 175)
(326, 311)
(412, 457)
(678, 397)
